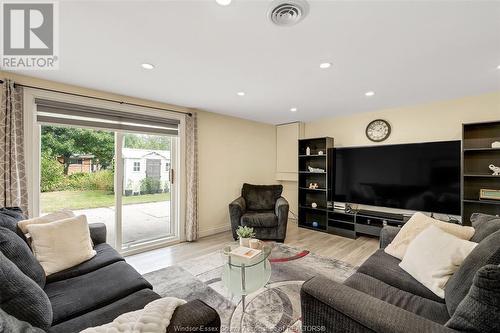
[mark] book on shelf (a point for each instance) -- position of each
(245, 252)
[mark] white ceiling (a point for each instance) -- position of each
(407, 52)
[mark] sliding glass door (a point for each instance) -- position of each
(146, 204)
(116, 168)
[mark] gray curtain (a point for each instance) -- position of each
(192, 177)
(13, 185)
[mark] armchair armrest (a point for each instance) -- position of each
(97, 233)
(281, 207)
(239, 204)
(236, 210)
(281, 210)
(387, 234)
(339, 308)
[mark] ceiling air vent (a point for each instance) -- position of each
(287, 13)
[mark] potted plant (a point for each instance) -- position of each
(244, 235)
(128, 190)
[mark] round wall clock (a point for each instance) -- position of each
(378, 130)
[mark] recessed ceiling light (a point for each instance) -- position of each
(325, 65)
(240, 93)
(147, 66)
(370, 93)
(293, 109)
(498, 67)
(223, 2)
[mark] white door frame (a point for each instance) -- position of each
(118, 191)
(32, 153)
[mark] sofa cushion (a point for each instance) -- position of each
(434, 256)
(106, 255)
(62, 244)
(485, 253)
(259, 220)
(107, 313)
(484, 225)
(52, 217)
(421, 306)
(17, 251)
(385, 268)
(261, 197)
(418, 223)
(479, 311)
(21, 297)
(9, 216)
(84, 293)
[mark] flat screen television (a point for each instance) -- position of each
(422, 176)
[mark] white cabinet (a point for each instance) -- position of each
(287, 137)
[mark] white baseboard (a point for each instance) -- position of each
(214, 230)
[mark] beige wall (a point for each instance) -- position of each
(231, 151)
(438, 121)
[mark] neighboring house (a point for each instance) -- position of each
(142, 163)
(81, 163)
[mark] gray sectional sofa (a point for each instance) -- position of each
(90, 294)
(381, 297)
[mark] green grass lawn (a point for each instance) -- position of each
(53, 201)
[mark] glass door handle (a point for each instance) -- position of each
(171, 176)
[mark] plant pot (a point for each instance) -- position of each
(245, 242)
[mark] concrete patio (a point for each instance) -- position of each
(144, 221)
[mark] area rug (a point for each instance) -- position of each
(275, 308)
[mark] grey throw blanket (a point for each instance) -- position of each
(9, 324)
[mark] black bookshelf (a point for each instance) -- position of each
(477, 155)
(317, 157)
(324, 218)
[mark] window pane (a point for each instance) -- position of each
(146, 214)
(77, 173)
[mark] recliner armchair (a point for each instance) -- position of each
(262, 208)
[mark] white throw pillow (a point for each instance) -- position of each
(433, 256)
(61, 244)
(60, 215)
(415, 225)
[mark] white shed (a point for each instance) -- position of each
(140, 164)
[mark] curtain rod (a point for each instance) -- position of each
(99, 98)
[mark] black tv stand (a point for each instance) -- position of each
(371, 222)
(392, 216)
(360, 222)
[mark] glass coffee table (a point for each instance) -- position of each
(244, 276)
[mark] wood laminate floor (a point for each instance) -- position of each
(353, 251)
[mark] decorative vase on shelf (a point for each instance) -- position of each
(245, 242)
(308, 151)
